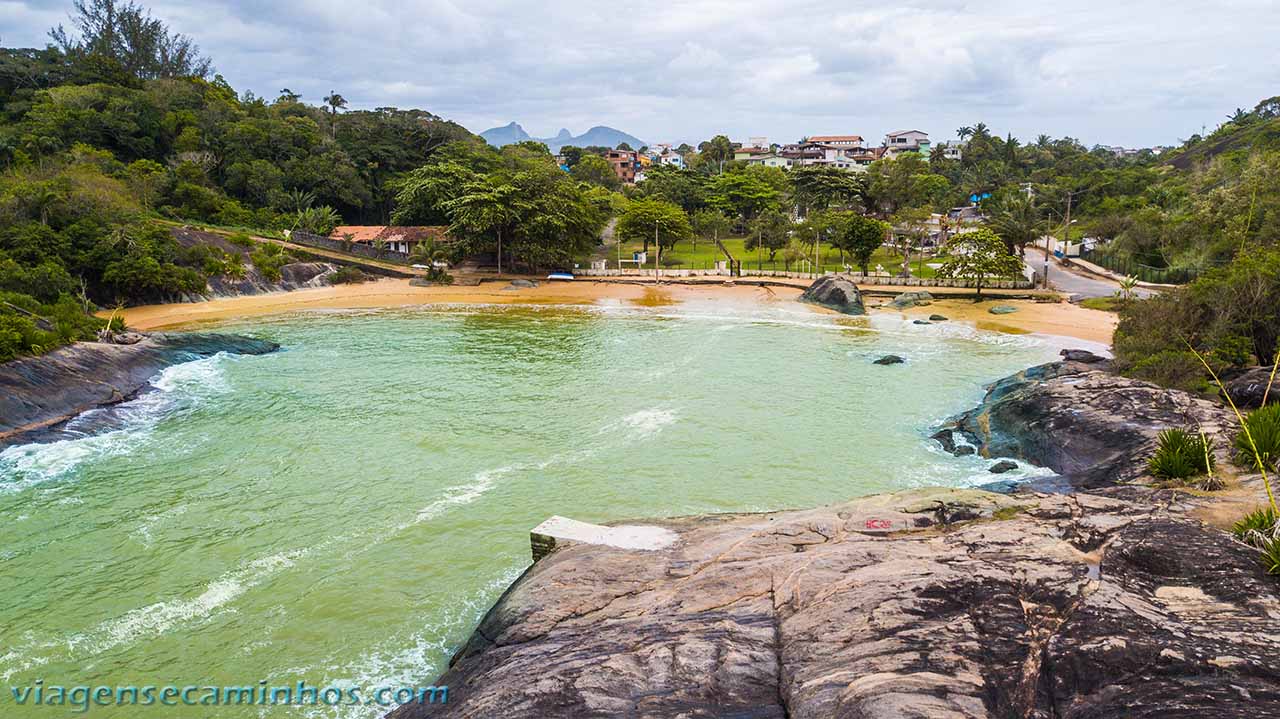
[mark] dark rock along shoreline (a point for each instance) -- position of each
(1109, 601)
(38, 393)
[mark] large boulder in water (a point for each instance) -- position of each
(836, 292)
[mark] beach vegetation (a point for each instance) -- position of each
(1181, 454)
(1258, 442)
(979, 256)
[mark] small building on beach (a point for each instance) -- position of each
(395, 238)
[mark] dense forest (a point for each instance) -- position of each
(119, 128)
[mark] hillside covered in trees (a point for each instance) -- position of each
(120, 124)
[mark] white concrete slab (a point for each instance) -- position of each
(623, 537)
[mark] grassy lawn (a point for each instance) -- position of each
(1106, 304)
(706, 254)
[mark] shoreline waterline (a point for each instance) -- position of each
(1041, 318)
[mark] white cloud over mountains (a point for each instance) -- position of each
(1139, 72)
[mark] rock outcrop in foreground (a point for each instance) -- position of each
(836, 292)
(1107, 603)
(1085, 423)
(39, 392)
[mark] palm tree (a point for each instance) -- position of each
(964, 132)
(335, 102)
(1018, 221)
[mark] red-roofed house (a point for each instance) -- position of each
(397, 238)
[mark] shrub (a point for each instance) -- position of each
(1172, 368)
(240, 239)
(1263, 427)
(347, 275)
(1257, 526)
(1181, 455)
(1271, 556)
(269, 258)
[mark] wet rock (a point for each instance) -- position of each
(921, 322)
(1002, 310)
(1002, 466)
(1249, 387)
(37, 393)
(1090, 426)
(837, 292)
(889, 359)
(937, 318)
(1085, 356)
(911, 299)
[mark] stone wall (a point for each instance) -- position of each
(360, 250)
(1018, 284)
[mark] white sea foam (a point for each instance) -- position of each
(646, 422)
(463, 493)
(411, 661)
(182, 385)
(152, 620)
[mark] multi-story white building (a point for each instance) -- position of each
(841, 141)
(900, 141)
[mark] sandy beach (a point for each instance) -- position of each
(1049, 318)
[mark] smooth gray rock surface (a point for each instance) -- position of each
(1026, 606)
(1090, 426)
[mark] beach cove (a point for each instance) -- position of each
(404, 440)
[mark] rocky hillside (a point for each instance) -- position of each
(250, 280)
(1111, 601)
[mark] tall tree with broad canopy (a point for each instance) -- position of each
(979, 256)
(647, 220)
(709, 224)
(771, 231)
(860, 237)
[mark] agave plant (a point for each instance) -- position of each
(1181, 454)
(1128, 288)
(1258, 444)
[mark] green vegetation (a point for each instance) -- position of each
(978, 257)
(269, 258)
(1106, 304)
(348, 275)
(1228, 315)
(1181, 454)
(1258, 443)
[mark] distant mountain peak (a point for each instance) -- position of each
(599, 135)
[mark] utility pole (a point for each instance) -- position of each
(1066, 237)
(657, 252)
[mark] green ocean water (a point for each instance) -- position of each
(343, 511)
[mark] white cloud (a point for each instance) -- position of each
(1138, 72)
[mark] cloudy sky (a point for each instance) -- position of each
(1128, 72)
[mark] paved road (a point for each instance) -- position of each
(1075, 282)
